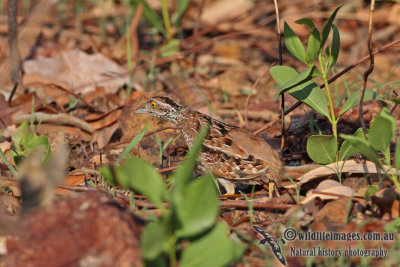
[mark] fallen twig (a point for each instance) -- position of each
(62, 118)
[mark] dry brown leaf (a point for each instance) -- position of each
(13, 185)
(5, 146)
(71, 180)
(80, 71)
(394, 15)
(233, 82)
(225, 10)
(227, 49)
(349, 166)
(387, 200)
(328, 186)
(103, 136)
(49, 129)
(112, 117)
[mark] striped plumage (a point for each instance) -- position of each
(232, 154)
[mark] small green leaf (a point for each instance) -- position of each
(41, 142)
(306, 21)
(335, 46)
(132, 144)
(397, 156)
(151, 16)
(279, 72)
(294, 44)
(10, 167)
(308, 92)
(371, 191)
(314, 45)
(138, 175)
(364, 147)
(327, 53)
(328, 25)
(382, 130)
(182, 6)
(23, 135)
(354, 99)
(213, 249)
(154, 240)
(311, 95)
(198, 209)
(347, 149)
(395, 100)
(322, 148)
(182, 175)
(170, 48)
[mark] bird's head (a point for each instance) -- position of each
(161, 107)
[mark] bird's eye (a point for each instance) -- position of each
(153, 104)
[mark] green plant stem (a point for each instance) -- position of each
(393, 175)
(165, 15)
(328, 93)
(172, 252)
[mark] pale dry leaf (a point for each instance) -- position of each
(103, 136)
(225, 10)
(328, 186)
(81, 71)
(349, 166)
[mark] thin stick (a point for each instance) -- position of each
(278, 28)
(394, 105)
(15, 58)
(256, 205)
(370, 69)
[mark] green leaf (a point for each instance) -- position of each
(213, 249)
(10, 167)
(138, 175)
(371, 191)
(311, 95)
(198, 209)
(294, 44)
(335, 46)
(382, 130)
(308, 92)
(182, 175)
(151, 16)
(347, 149)
(327, 53)
(314, 45)
(170, 48)
(23, 135)
(322, 148)
(306, 21)
(328, 25)
(397, 156)
(182, 6)
(41, 142)
(395, 100)
(25, 141)
(154, 240)
(132, 143)
(364, 147)
(279, 72)
(354, 99)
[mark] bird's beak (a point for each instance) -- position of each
(141, 110)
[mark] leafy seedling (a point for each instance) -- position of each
(191, 213)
